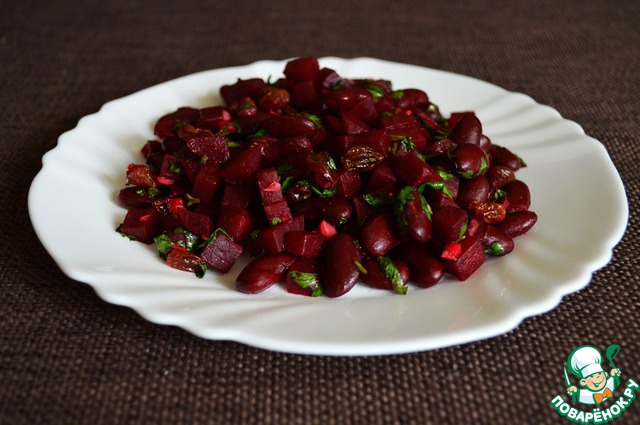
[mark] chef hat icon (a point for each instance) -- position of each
(584, 361)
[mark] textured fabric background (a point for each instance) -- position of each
(67, 357)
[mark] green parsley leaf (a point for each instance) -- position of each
(307, 280)
(392, 273)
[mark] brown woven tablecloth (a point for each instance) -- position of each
(68, 357)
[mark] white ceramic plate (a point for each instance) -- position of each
(575, 188)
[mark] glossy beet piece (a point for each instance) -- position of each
(424, 269)
(304, 243)
(141, 224)
(341, 272)
(269, 186)
(379, 235)
(166, 125)
(236, 221)
(414, 171)
(302, 69)
(468, 260)
(200, 224)
(327, 78)
(352, 124)
(518, 196)
(263, 272)
(271, 239)
(449, 224)
(348, 184)
(214, 148)
(221, 252)
(237, 194)
(135, 197)
(242, 88)
(467, 131)
(376, 277)
(206, 183)
(303, 278)
(518, 223)
(277, 212)
(243, 166)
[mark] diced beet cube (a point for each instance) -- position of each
(170, 170)
(382, 175)
(303, 277)
(414, 171)
(335, 124)
(200, 224)
(352, 124)
(455, 117)
(348, 183)
(469, 260)
(365, 110)
(364, 210)
(190, 168)
(241, 89)
(385, 104)
(377, 139)
(166, 125)
(415, 134)
(448, 224)
(142, 224)
(236, 221)
(327, 78)
(269, 185)
(135, 197)
(305, 95)
(399, 121)
(304, 243)
(302, 69)
(271, 239)
(438, 199)
(338, 145)
(206, 182)
(221, 252)
(238, 195)
(213, 118)
(244, 165)
(215, 148)
(278, 212)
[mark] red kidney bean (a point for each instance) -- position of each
(418, 221)
(503, 156)
(263, 272)
(518, 196)
(424, 269)
(476, 189)
(496, 241)
(485, 143)
(297, 145)
(376, 277)
(338, 211)
(342, 260)
(518, 223)
(378, 235)
(290, 126)
(467, 130)
(499, 175)
(470, 160)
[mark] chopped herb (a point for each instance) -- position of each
(397, 94)
(324, 193)
(375, 90)
(496, 248)
(376, 200)
(124, 235)
(286, 182)
(360, 267)
(307, 280)
(314, 118)
(392, 273)
(405, 195)
(258, 133)
(463, 230)
(445, 175)
(174, 168)
(179, 124)
(234, 144)
(164, 245)
(275, 220)
(441, 186)
(498, 195)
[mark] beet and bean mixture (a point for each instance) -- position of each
(325, 182)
